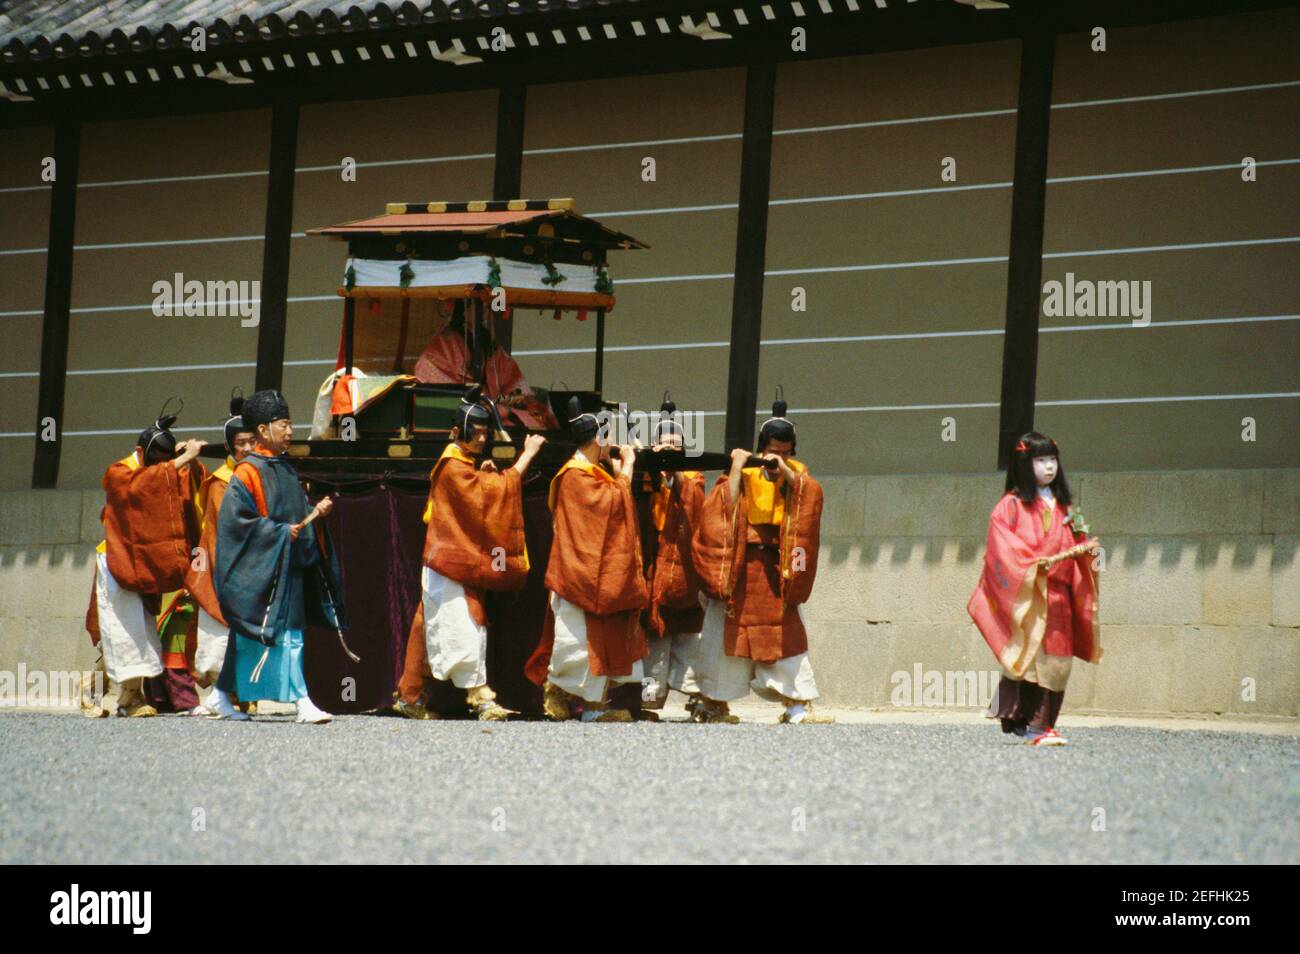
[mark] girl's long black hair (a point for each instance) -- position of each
(1020, 471)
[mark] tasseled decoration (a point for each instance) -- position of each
(347, 650)
(257, 670)
(344, 643)
(406, 274)
(494, 274)
(266, 618)
(553, 277)
(556, 315)
(582, 314)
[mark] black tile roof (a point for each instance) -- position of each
(41, 29)
(60, 58)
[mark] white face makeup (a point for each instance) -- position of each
(244, 443)
(1044, 470)
(478, 441)
(669, 440)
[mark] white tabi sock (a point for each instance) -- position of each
(308, 712)
(220, 703)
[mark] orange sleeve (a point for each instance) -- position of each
(250, 477)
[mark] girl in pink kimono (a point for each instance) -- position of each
(1036, 601)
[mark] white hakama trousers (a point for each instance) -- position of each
(570, 667)
(128, 633)
(724, 678)
(683, 661)
(456, 645)
(670, 665)
(210, 653)
(657, 665)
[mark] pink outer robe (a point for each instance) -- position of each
(1019, 607)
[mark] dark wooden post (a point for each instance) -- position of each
(600, 351)
(1025, 251)
(349, 331)
(508, 174)
(275, 248)
(751, 254)
(58, 303)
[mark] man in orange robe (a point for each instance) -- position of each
(592, 635)
(475, 542)
(211, 627)
(151, 524)
(756, 555)
(676, 613)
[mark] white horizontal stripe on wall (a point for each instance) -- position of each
(717, 137)
(693, 345)
(94, 309)
(225, 366)
(1091, 402)
(810, 270)
(1080, 402)
(977, 405)
(726, 206)
(116, 432)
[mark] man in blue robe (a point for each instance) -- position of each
(274, 573)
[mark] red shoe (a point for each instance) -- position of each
(1050, 737)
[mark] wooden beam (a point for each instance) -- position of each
(600, 351)
(1025, 251)
(349, 332)
(275, 247)
(507, 176)
(751, 254)
(58, 304)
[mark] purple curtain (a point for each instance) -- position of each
(379, 537)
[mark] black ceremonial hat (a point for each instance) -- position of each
(263, 408)
(235, 423)
(777, 427)
(158, 437)
(583, 426)
(667, 424)
(473, 409)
